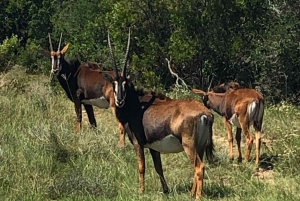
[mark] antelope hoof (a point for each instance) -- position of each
(198, 196)
(78, 132)
(246, 160)
(142, 190)
(166, 191)
(121, 144)
(195, 194)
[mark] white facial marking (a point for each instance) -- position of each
(123, 85)
(169, 144)
(58, 63)
(116, 88)
(52, 61)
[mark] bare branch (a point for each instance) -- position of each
(208, 89)
(177, 77)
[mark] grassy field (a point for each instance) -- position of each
(41, 158)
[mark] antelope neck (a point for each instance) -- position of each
(132, 115)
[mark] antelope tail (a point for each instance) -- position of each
(198, 91)
(204, 137)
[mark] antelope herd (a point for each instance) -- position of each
(152, 120)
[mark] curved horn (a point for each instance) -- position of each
(112, 56)
(126, 55)
(59, 42)
(51, 48)
(208, 89)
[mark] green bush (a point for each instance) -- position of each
(8, 52)
(28, 57)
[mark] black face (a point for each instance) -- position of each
(56, 62)
(120, 86)
(56, 57)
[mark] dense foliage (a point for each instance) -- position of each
(255, 42)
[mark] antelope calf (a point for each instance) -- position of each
(164, 126)
(241, 108)
(84, 85)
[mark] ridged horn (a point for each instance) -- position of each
(50, 42)
(208, 89)
(59, 42)
(126, 55)
(112, 56)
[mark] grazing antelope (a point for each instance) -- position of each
(164, 126)
(83, 84)
(241, 108)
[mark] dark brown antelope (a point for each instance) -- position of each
(241, 108)
(164, 126)
(83, 84)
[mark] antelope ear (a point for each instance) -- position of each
(108, 77)
(45, 53)
(198, 91)
(131, 77)
(63, 51)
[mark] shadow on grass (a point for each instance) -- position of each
(75, 183)
(70, 178)
(217, 190)
(62, 154)
(267, 162)
(210, 190)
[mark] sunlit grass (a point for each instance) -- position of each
(41, 158)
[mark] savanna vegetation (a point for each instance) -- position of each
(253, 42)
(41, 158)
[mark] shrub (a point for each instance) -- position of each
(8, 52)
(28, 57)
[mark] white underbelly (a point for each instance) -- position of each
(169, 144)
(98, 102)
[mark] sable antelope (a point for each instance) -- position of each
(166, 126)
(83, 84)
(241, 108)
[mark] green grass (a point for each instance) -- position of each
(41, 158)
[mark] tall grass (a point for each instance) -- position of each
(41, 158)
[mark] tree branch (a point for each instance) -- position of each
(177, 77)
